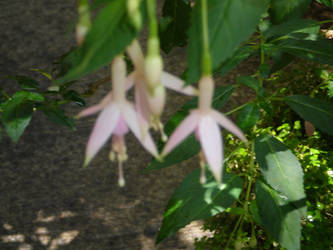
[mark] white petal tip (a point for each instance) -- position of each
(121, 182)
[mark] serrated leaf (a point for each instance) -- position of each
(282, 10)
(193, 201)
(318, 112)
(281, 169)
(248, 116)
(176, 18)
(238, 56)
(57, 115)
(25, 82)
(109, 35)
(225, 23)
(17, 113)
(279, 217)
(190, 146)
(318, 51)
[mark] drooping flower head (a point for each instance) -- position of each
(150, 82)
(204, 122)
(117, 117)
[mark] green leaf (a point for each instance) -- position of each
(174, 24)
(281, 60)
(318, 51)
(110, 34)
(193, 201)
(281, 169)
(328, 3)
(318, 112)
(57, 115)
(282, 10)
(280, 218)
(238, 56)
(190, 146)
(250, 82)
(225, 23)
(17, 113)
(25, 82)
(254, 210)
(330, 89)
(75, 97)
(248, 116)
(304, 26)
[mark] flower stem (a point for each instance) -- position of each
(237, 108)
(206, 62)
(153, 28)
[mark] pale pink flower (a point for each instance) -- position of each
(149, 101)
(204, 122)
(116, 118)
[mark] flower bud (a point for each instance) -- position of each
(156, 100)
(134, 13)
(84, 22)
(153, 70)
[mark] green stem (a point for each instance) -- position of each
(153, 28)
(233, 231)
(206, 62)
(236, 109)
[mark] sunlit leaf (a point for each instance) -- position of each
(193, 201)
(279, 217)
(281, 169)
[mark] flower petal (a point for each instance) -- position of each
(103, 128)
(227, 124)
(211, 144)
(181, 132)
(173, 82)
(130, 80)
(132, 121)
(95, 108)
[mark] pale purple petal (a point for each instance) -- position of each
(186, 127)
(173, 82)
(227, 124)
(141, 103)
(132, 121)
(211, 144)
(96, 108)
(103, 128)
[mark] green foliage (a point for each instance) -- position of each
(109, 35)
(281, 169)
(17, 112)
(174, 24)
(193, 201)
(248, 116)
(282, 10)
(278, 216)
(318, 112)
(224, 25)
(328, 3)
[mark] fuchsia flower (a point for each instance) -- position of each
(117, 117)
(204, 123)
(150, 100)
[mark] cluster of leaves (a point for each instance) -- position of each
(17, 109)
